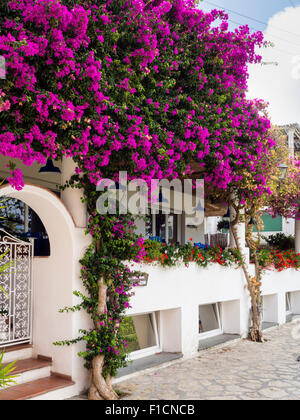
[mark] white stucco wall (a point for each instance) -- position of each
(185, 289)
(31, 173)
(176, 294)
(212, 224)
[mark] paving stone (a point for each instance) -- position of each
(243, 371)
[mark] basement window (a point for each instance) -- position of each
(163, 227)
(209, 320)
(141, 335)
(20, 221)
(288, 305)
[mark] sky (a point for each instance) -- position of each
(278, 80)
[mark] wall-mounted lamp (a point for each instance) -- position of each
(49, 168)
(227, 215)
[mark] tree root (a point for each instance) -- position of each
(100, 389)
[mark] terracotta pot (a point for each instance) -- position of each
(4, 318)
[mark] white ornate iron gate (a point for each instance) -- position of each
(16, 280)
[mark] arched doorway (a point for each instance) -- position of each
(23, 236)
(54, 278)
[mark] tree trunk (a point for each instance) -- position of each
(101, 388)
(252, 283)
(257, 333)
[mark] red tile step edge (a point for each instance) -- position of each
(34, 388)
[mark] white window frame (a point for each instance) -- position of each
(288, 301)
(218, 331)
(149, 351)
(167, 226)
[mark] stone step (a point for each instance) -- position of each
(31, 369)
(52, 388)
(19, 352)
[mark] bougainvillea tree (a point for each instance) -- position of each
(255, 193)
(154, 87)
(256, 201)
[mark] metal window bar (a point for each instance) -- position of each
(288, 304)
(218, 239)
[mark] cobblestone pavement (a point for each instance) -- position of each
(241, 371)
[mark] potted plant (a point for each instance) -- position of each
(223, 226)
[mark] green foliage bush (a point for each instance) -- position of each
(281, 241)
(223, 224)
